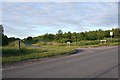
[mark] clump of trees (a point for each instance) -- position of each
(74, 37)
(63, 37)
(4, 40)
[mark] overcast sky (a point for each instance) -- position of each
(22, 19)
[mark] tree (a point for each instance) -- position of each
(48, 37)
(116, 32)
(83, 36)
(5, 40)
(28, 41)
(100, 34)
(74, 36)
(59, 36)
(69, 35)
(1, 29)
(1, 34)
(60, 32)
(12, 39)
(51, 37)
(92, 36)
(29, 38)
(45, 37)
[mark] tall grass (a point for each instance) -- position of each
(11, 55)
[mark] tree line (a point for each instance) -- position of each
(63, 37)
(74, 37)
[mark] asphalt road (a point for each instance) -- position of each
(99, 62)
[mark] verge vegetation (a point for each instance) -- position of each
(49, 45)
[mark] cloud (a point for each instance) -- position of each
(60, 0)
(43, 17)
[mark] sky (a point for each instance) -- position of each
(23, 19)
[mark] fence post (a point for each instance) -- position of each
(18, 45)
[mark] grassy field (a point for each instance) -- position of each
(10, 53)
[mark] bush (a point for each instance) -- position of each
(39, 44)
(83, 43)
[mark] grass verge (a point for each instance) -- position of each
(11, 55)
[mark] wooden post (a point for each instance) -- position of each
(19, 45)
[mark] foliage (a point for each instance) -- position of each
(48, 45)
(74, 37)
(63, 37)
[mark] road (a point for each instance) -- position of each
(99, 62)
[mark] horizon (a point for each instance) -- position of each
(37, 18)
(57, 32)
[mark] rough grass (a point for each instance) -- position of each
(11, 55)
